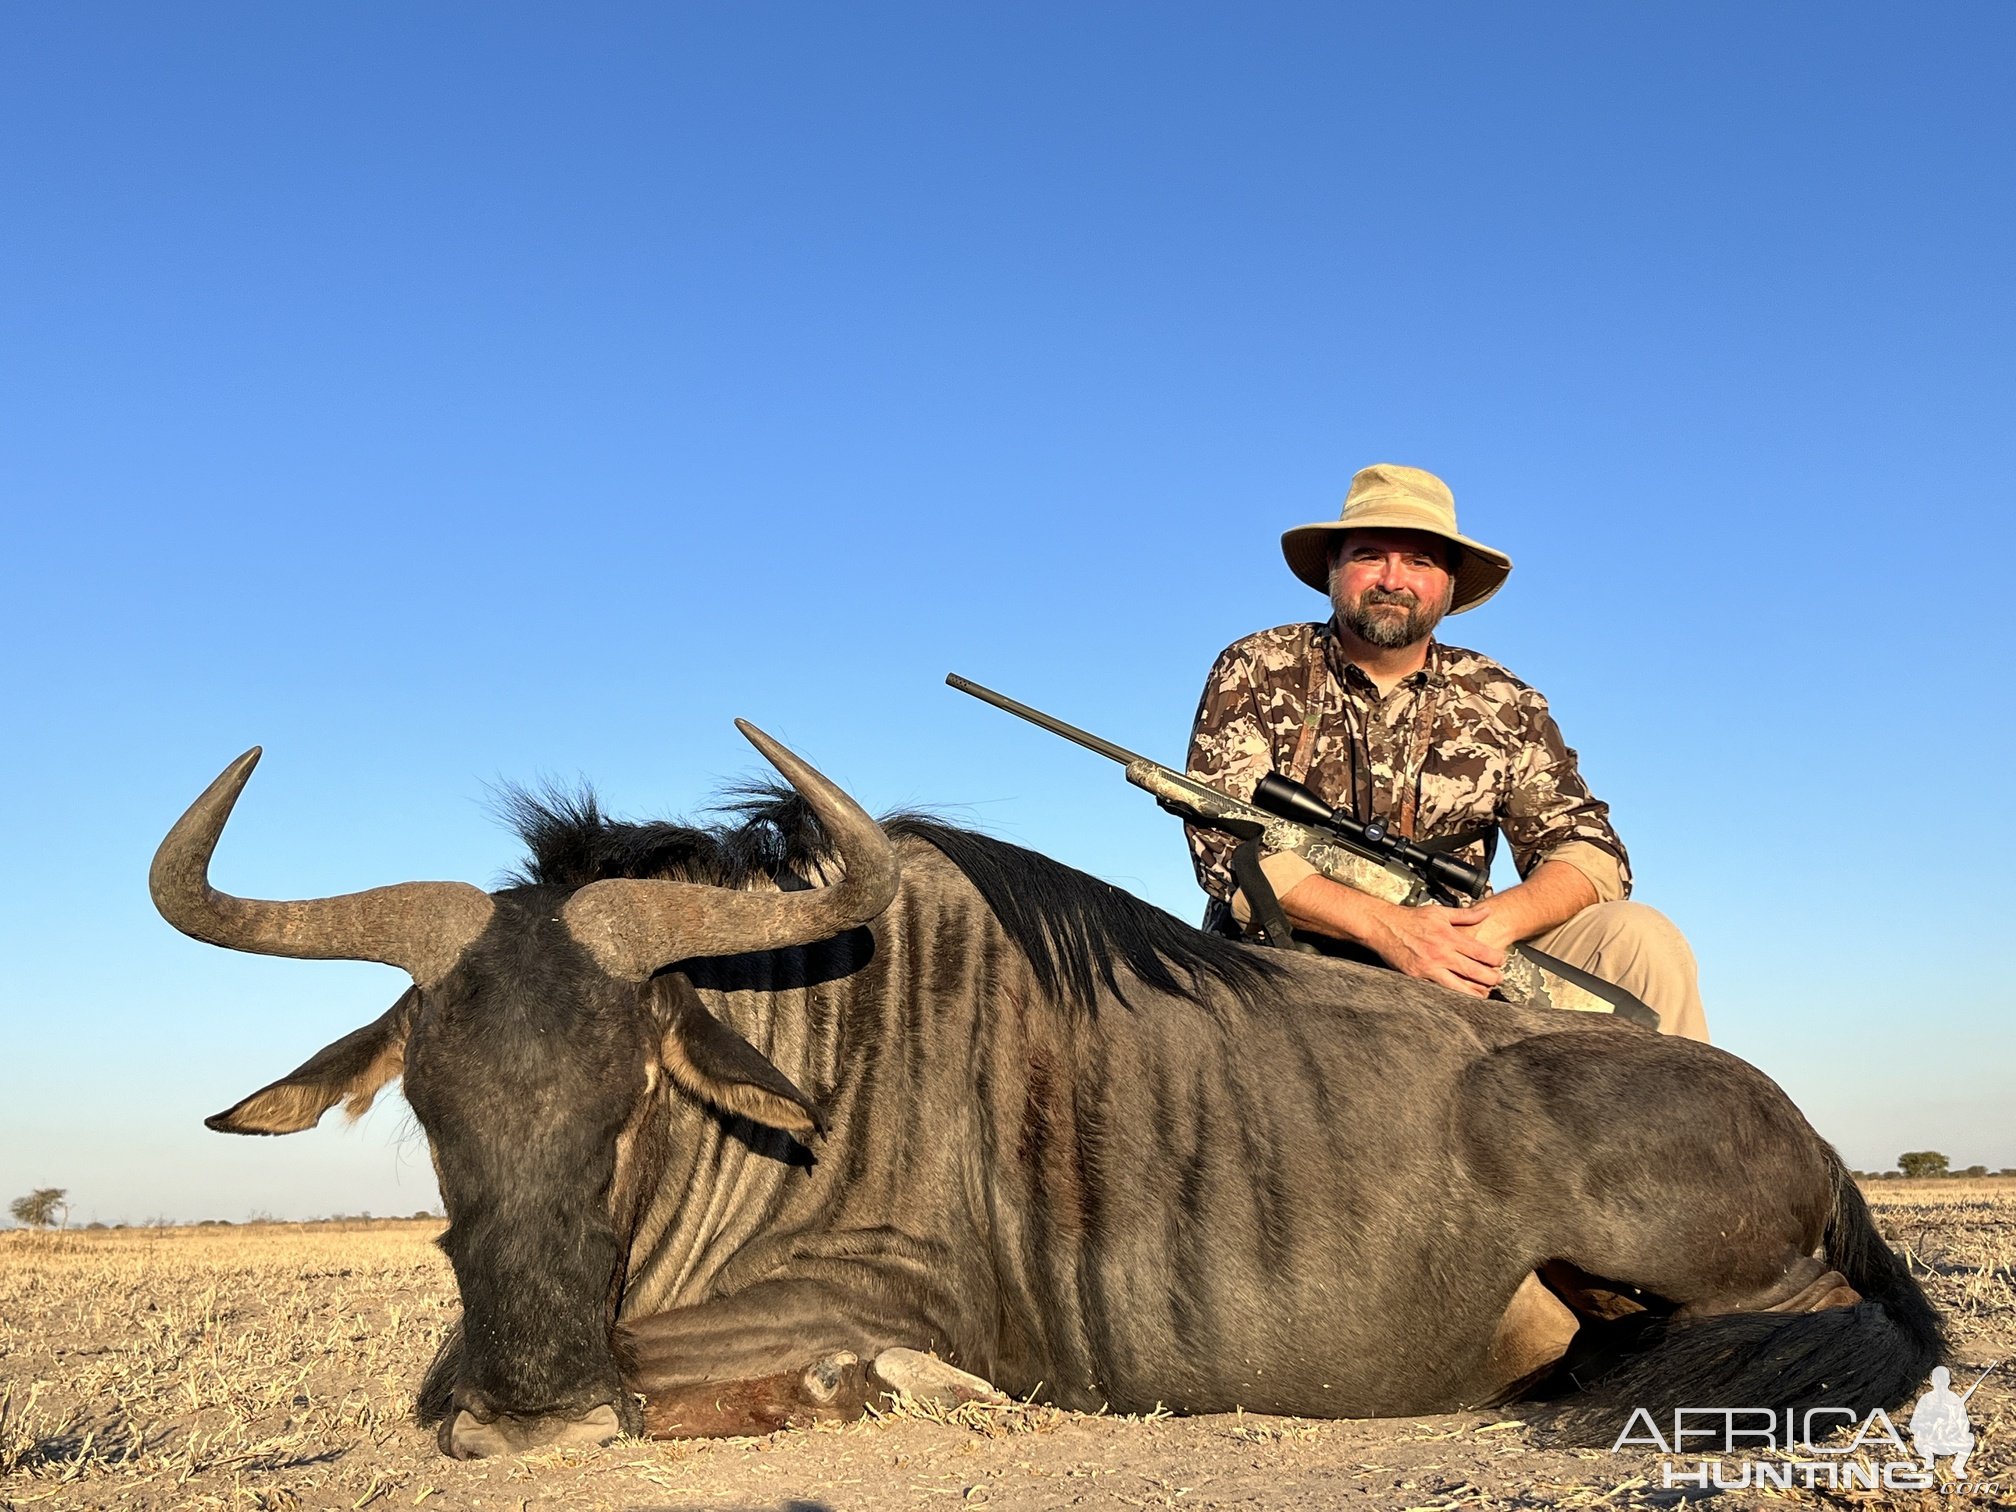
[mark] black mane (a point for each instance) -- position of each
(1075, 929)
(766, 832)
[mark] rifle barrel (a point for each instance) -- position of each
(1084, 738)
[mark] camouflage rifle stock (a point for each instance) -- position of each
(1529, 976)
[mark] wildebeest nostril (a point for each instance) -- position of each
(463, 1437)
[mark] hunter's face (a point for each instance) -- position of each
(1391, 587)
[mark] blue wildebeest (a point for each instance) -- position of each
(737, 1127)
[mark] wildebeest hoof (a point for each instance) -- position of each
(466, 1438)
(925, 1377)
(825, 1376)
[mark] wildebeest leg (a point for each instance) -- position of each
(831, 1388)
(1566, 1131)
(1729, 1215)
(1807, 1285)
(778, 1353)
(1534, 1334)
(1616, 1320)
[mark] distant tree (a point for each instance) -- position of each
(1917, 1164)
(1975, 1170)
(41, 1207)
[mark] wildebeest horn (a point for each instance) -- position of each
(420, 927)
(634, 927)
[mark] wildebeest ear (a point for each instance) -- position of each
(351, 1072)
(718, 1066)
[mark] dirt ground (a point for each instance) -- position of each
(273, 1366)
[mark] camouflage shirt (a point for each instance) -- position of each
(1460, 745)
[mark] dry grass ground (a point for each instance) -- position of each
(273, 1367)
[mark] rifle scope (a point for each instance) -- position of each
(1291, 800)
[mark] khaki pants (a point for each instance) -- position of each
(1640, 950)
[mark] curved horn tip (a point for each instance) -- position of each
(210, 811)
(224, 787)
(758, 739)
(241, 766)
(233, 778)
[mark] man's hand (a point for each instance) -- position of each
(1446, 946)
(1492, 925)
(1553, 895)
(1439, 945)
(1460, 948)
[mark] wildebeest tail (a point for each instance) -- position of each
(1855, 1248)
(1872, 1354)
(437, 1390)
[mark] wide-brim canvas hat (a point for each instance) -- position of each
(1388, 497)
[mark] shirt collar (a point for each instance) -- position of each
(1433, 673)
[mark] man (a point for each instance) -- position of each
(1445, 745)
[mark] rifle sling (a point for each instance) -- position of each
(1269, 918)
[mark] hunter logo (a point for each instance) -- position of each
(1758, 1448)
(1939, 1422)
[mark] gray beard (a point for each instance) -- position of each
(1386, 631)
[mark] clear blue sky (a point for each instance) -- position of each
(449, 393)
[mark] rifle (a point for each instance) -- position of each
(1977, 1384)
(1286, 816)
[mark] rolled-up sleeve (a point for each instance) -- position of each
(1550, 814)
(1284, 871)
(1230, 751)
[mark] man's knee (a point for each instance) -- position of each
(1636, 927)
(1642, 951)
